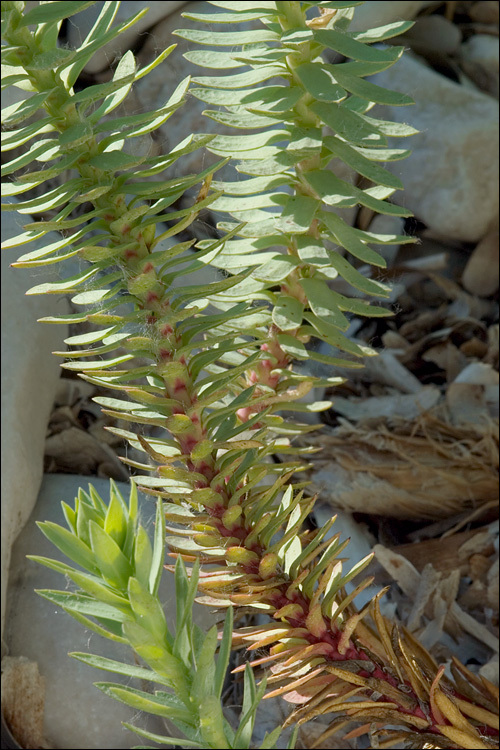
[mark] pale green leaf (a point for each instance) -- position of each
(213, 59)
(348, 239)
(381, 33)
(287, 312)
(243, 14)
(272, 99)
(349, 47)
(297, 214)
(322, 302)
(162, 739)
(227, 38)
(348, 124)
(112, 563)
(292, 346)
(265, 7)
(355, 159)
(241, 119)
(320, 83)
(355, 278)
(158, 550)
(52, 12)
(82, 604)
(69, 545)
(164, 706)
(20, 111)
(276, 269)
(370, 91)
(240, 80)
(118, 667)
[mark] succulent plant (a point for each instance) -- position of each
(218, 362)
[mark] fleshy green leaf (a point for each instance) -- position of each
(227, 38)
(320, 83)
(112, 563)
(322, 302)
(349, 47)
(50, 12)
(287, 312)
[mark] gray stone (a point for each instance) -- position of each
(479, 58)
(481, 274)
(30, 376)
(451, 177)
(77, 715)
(434, 34)
(379, 12)
(485, 11)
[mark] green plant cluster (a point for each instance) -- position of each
(120, 591)
(218, 360)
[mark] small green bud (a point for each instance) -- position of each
(241, 555)
(207, 540)
(231, 515)
(202, 450)
(268, 565)
(178, 423)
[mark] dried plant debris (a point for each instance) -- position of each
(422, 468)
(23, 699)
(78, 440)
(414, 434)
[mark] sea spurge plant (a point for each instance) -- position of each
(117, 597)
(218, 360)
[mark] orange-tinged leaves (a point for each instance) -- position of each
(335, 726)
(392, 693)
(452, 713)
(207, 540)
(384, 634)
(463, 739)
(315, 621)
(291, 611)
(438, 716)
(478, 713)
(315, 649)
(348, 630)
(349, 677)
(412, 669)
(369, 640)
(325, 704)
(294, 684)
(389, 716)
(483, 686)
(306, 692)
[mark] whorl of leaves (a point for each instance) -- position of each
(219, 356)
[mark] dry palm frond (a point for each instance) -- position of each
(422, 469)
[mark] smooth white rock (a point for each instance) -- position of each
(77, 715)
(379, 12)
(479, 56)
(434, 34)
(451, 177)
(30, 376)
(80, 25)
